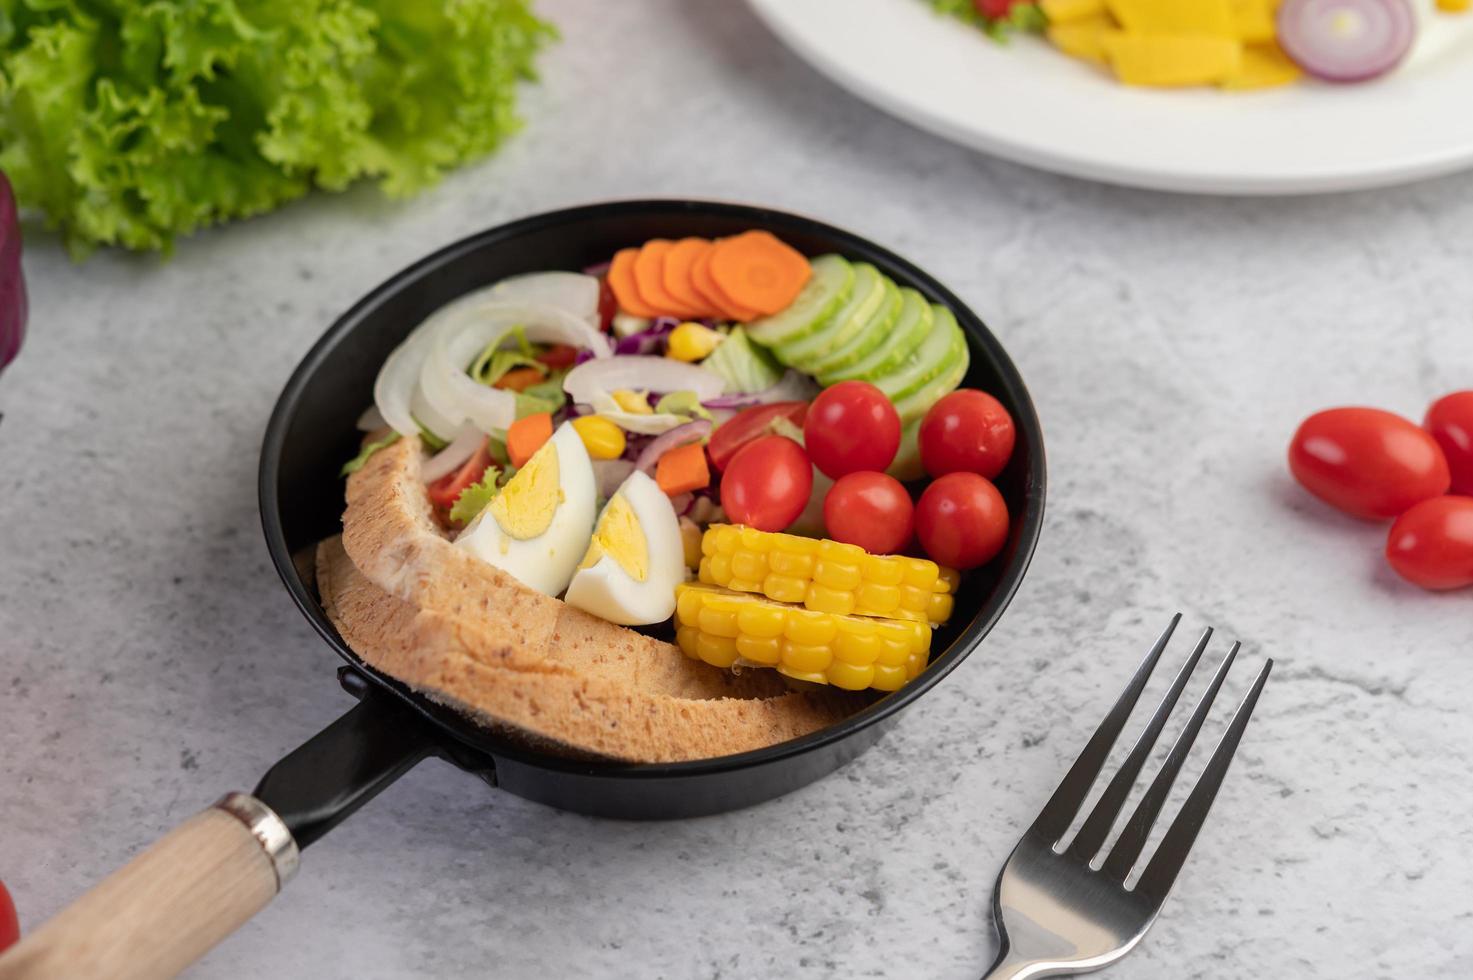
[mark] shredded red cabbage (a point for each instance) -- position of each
(651, 341)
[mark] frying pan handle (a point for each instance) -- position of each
(164, 909)
(167, 907)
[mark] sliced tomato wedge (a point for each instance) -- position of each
(753, 423)
(559, 356)
(444, 491)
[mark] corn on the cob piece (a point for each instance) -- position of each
(826, 576)
(852, 652)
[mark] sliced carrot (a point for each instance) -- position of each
(678, 262)
(700, 276)
(519, 379)
(649, 276)
(526, 435)
(683, 469)
(621, 281)
(759, 271)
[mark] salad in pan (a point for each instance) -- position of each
(766, 451)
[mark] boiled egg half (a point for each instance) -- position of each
(538, 527)
(635, 559)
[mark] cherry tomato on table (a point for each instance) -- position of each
(871, 510)
(752, 423)
(1450, 420)
(967, 431)
(9, 923)
(962, 520)
(1367, 462)
(851, 428)
(1431, 545)
(767, 483)
(444, 491)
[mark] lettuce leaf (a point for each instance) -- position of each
(358, 462)
(131, 122)
(474, 498)
(742, 364)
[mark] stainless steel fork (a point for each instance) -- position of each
(1055, 913)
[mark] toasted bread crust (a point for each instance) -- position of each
(466, 633)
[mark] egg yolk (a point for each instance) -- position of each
(524, 508)
(619, 536)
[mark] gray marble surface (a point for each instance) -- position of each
(149, 659)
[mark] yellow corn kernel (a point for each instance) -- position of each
(825, 576)
(602, 438)
(727, 629)
(693, 342)
(633, 402)
(690, 542)
(938, 610)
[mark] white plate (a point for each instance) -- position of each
(1029, 103)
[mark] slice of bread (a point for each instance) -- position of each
(468, 634)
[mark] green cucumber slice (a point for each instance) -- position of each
(931, 359)
(907, 463)
(910, 329)
(825, 291)
(913, 407)
(866, 296)
(870, 336)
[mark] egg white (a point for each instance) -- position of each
(606, 590)
(547, 561)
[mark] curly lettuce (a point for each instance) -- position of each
(132, 122)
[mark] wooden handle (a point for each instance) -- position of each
(167, 907)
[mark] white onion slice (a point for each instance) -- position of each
(453, 456)
(793, 386)
(571, 292)
(393, 389)
(643, 373)
(371, 420)
(457, 339)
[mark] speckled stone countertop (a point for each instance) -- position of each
(150, 660)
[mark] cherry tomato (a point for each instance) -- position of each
(962, 520)
(752, 423)
(767, 483)
(608, 306)
(1450, 420)
(1431, 545)
(9, 923)
(967, 431)
(871, 510)
(559, 356)
(444, 490)
(1367, 462)
(852, 427)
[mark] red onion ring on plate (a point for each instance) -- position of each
(1346, 40)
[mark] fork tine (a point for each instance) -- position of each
(1056, 815)
(1091, 836)
(1133, 835)
(1157, 879)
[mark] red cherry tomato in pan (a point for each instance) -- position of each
(559, 356)
(9, 923)
(962, 520)
(444, 491)
(752, 423)
(871, 510)
(1450, 420)
(608, 306)
(767, 483)
(1431, 545)
(1367, 462)
(851, 428)
(967, 431)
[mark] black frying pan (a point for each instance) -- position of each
(226, 863)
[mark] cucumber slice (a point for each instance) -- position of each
(910, 328)
(930, 360)
(866, 296)
(825, 291)
(870, 336)
(913, 407)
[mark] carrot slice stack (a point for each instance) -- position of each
(700, 275)
(621, 281)
(678, 262)
(649, 276)
(759, 272)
